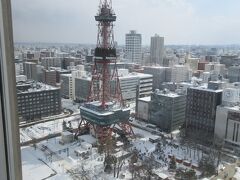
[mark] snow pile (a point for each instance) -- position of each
(237, 174)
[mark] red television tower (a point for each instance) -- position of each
(105, 108)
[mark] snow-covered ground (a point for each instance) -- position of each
(51, 158)
(47, 128)
(32, 166)
(64, 159)
(69, 104)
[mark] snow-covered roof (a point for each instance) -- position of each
(80, 150)
(66, 75)
(86, 145)
(146, 99)
(204, 87)
(36, 87)
(156, 67)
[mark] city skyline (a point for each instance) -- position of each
(179, 21)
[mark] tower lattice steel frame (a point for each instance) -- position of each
(105, 85)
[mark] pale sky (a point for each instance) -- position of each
(179, 21)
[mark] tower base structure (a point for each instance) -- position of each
(101, 122)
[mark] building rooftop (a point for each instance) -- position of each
(94, 113)
(66, 75)
(233, 108)
(29, 63)
(146, 99)
(156, 67)
(205, 88)
(167, 93)
(33, 87)
(141, 75)
(136, 75)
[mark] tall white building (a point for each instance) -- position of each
(227, 126)
(19, 68)
(180, 73)
(157, 50)
(160, 74)
(134, 47)
(135, 83)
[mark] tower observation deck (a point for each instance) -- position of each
(105, 108)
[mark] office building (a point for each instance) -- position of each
(201, 66)
(157, 50)
(146, 59)
(31, 56)
(170, 60)
(59, 72)
(211, 58)
(134, 85)
(19, 68)
(206, 77)
(230, 96)
(82, 86)
(75, 85)
(49, 77)
(36, 100)
(128, 85)
(39, 73)
(30, 70)
(21, 78)
(228, 119)
(230, 60)
(193, 63)
(220, 69)
(201, 108)
(234, 74)
(215, 85)
(167, 110)
(160, 74)
(71, 61)
(142, 108)
(227, 126)
(145, 84)
(227, 123)
(209, 67)
(180, 73)
(48, 62)
(133, 49)
(66, 81)
(183, 87)
(46, 54)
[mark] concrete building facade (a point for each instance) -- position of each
(167, 110)
(50, 77)
(160, 74)
(30, 70)
(133, 47)
(66, 85)
(36, 100)
(142, 108)
(201, 108)
(144, 85)
(157, 50)
(82, 86)
(48, 62)
(234, 74)
(180, 73)
(227, 126)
